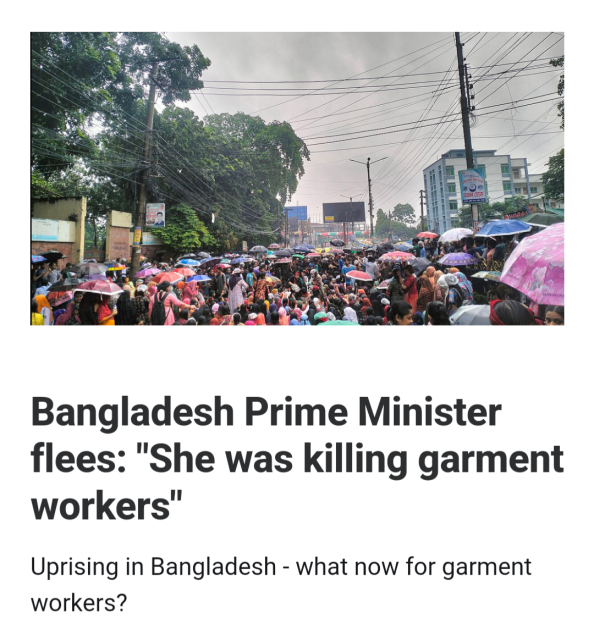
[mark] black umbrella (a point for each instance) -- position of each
(337, 243)
(301, 248)
(258, 249)
(193, 256)
(385, 247)
(66, 285)
(420, 264)
(203, 254)
(283, 253)
(53, 255)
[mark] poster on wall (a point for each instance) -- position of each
(155, 214)
(472, 185)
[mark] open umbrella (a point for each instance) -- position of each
(453, 235)
(385, 284)
(282, 261)
(191, 256)
(456, 259)
(540, 219)
(56, 298)
(99, 286)
(222, 265)
(420, 264)
(98, 276)
(403, 246)
(38, 259)
(313, 254)
(427, 234)
(206, 263)
(199, 278)
(271, 279)
(337, 243)
(493, 276)
(503, 228)
(189, 262)
(168, 276)
(472, 314)
(298, 255)
(53, 255)
(237, 261)
(66, 285)
(536, 266)
(258, 249)
(274, 246)
(301, 248)
(88, 268)
(358, 275)
(283, 253)
(398, 255)
(203, 254)
(186, 272)
(152, 271)
(384, 247)
(342, 323)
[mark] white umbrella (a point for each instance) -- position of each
(453, 235)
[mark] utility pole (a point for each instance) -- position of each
(351, 214)
(465, 116)
(422, 192)
(144, 176)
(368, 164)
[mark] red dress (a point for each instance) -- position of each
(411, 295)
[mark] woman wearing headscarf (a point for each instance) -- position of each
(271, 309)
(72, 311)
(511, 312)
(236, 286)
(283, 319)
(141, 305)
(126, 310)
(169, 300)
(350, 315)
(409, 287)
(44, 308)
(441, 287)
(426, 292)
(105, 315)
(455, 297)
(36, 317)
(466, 287)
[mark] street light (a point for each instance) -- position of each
(351, 215)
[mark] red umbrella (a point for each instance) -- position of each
(222, 265)
(283, 261)
(184, 271)
(397, 255)
(99, 286)
(168, 276)
(358, 275)
(314, 255)
(427, 234)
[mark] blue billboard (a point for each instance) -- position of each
(296, 212)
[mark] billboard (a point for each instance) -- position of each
(299, 213)
(472, 186)
(344, 211)
(155, 214)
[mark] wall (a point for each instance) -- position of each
(66, 210)
(117, 238)
(65, 247)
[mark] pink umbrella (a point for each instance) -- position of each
(168, 276)
(99, 286)
(358, 275)
(398, 255)
(56, 298)
(427, 234)
(537, 266)
(185, 271)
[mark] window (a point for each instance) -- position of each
(518, 190)
(533, 190)
(453, 205)
(451, 188)
(450, 172)
(506, 187)
(505, 169)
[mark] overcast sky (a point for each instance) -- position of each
(422, 84)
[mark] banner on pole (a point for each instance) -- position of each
(155, 214)
(137, 236)
(472, 186)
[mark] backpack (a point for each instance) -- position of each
(158, 314)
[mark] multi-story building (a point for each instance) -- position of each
(505, 177)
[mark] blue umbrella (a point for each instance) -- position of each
(200, 278)
(504, 228)
(403, 246)
(189, 262)
(237, 261)
(38, 259)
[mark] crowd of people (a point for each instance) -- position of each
(260, 290)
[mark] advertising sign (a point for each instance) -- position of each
(244, 245)
(472, 185)
(155, 214)
(137, 235)
(344, 211)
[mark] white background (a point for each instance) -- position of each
(542, 378)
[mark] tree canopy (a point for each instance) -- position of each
(491, 211)
(89, 108)
(554, 179)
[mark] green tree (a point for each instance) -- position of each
(554, 179)
(560, 62)
(183, 231)
(404, 213)
(491, 211)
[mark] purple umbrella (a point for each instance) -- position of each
(456, 259)
(148, 272)
(537, 266)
